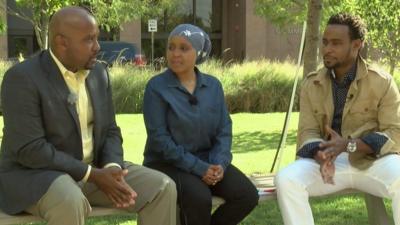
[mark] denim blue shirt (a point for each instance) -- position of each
(189, 134)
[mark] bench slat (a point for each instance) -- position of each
(24, 218)
(376, 210)
(6, 219)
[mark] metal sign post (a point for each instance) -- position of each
(152, 27)
(282, 142)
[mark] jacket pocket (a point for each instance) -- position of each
(322, 119)
(363, 111)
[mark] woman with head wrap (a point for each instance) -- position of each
(189, 134)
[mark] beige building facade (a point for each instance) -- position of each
(264, 40)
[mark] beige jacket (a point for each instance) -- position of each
(373, 105)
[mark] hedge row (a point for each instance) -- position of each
(252, 86)
(257, 86)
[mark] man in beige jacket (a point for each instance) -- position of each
(349, 128)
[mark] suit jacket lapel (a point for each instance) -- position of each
(57, 81)
(91, 85)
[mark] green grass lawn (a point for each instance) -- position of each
(256, 137)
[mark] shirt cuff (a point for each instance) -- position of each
(375, 141)
(200, 168)
(309, 150)
(86, 177)
(111, 165)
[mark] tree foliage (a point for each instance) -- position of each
(383, 22)
(282, 12)
(382, 18)
(109, 13)
(289, 12)
(112, 13)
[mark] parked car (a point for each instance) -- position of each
(113, 52)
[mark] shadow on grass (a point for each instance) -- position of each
(257, 141)
(335, 210)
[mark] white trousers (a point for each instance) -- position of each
(302, 179)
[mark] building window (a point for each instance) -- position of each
(206, 14)
(19, 45)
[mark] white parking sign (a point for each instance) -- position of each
(152, 25)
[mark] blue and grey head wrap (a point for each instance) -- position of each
(197, 37)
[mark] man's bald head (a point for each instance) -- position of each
(67, 19)
(73, 34)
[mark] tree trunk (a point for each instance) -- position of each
(41, 36)
(44, 27)
(394, 51)
(364, 51)
(40, 21)
(312, 36)
(392, 67)
(38, 36)
(44, 36)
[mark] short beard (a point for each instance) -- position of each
(339, 64)
(336, 65)
(89, 65)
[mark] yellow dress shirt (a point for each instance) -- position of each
(77, 87)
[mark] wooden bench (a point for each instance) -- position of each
(376, 210)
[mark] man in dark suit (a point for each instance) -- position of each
(61, 149)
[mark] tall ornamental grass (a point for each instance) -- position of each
(254, 86)
(4, 65)
(251, 86)
(128, 84)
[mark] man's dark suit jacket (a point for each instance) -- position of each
(41, 135)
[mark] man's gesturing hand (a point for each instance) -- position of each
(335, 145)
(326, 157)
(111, 181)
(327, 166)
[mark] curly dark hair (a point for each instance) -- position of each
(357, 27)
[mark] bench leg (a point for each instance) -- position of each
(377, 214)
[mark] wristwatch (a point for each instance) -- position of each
(351, 146)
